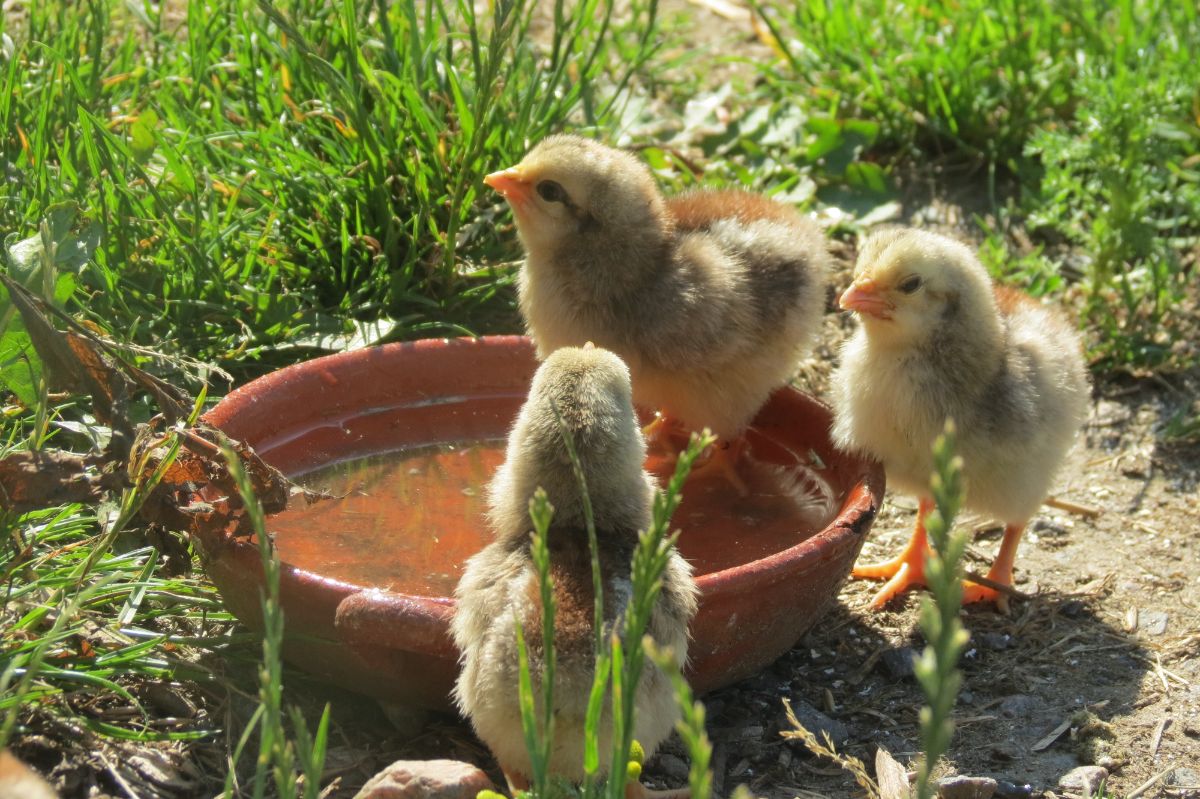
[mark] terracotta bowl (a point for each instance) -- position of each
(418, 428)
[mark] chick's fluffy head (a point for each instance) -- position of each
(568, 189)
(911, 286)
(590, 388)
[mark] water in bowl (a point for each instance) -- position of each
(407, 521)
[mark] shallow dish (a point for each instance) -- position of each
(407, 435)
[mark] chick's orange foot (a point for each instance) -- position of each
(903, 572)
(974, 592)
(665, 434)
(720, 462)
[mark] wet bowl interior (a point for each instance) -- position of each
(407, 436)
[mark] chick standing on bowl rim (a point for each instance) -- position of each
(711, 297)
(936, 339)
(591, 390)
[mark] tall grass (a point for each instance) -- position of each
(266, 174)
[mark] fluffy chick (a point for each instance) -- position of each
(711, 297)
(938, 340)
(591, 390)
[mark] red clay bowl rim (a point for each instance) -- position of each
(860, 506)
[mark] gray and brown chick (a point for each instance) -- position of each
(712, 297)
(936, 339)
(591, 390)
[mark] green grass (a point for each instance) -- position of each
(268, 175)
(1090, 110)
(242, 185)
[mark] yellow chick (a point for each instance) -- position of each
(591, 390)
(936, 339)
(711, 298)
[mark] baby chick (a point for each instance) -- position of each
(711, 297)
(591, 390)
(937, 339)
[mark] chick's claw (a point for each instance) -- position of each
(974, 592)
(906, 570)
(721, 463)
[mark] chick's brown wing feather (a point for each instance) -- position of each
(574, 599)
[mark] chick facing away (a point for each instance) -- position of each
(712, 297)
(936, 339)
(591, 390)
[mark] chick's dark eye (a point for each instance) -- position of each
(551, 191)
(910, 284)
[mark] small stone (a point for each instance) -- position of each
(426, 779)
(1072, 608)
(1012, 790)
(1018, 706)
(817, 723)
(1083, 780)
(671, 766)
(1152, 622)
(997, 641)
(898, 662)
(17, 779)
(1049, 527)
(408, 720)
(752, 732)
(1185, 778)
(966, 788)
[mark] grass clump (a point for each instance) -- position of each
(269, 174)
(971, 77)
(1122, 183)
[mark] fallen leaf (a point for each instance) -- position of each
(891, 777)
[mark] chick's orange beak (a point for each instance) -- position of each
(865, 297)
(509, 182)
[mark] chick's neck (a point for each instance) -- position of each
(611, 264)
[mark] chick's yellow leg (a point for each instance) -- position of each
(904, 571)
(1001, 571)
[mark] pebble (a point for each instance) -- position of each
(426, 779)
(1013, 790)
(1152, 622)
(672, 767)
(817, 722)
(898, 662)
(18, 780)
(1187, 778)
(997, 641)
(1018, 706)
(966, 788)
(1084, 780)
(1044, 525)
